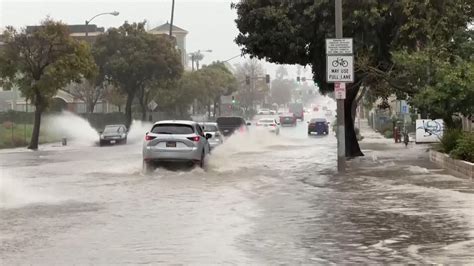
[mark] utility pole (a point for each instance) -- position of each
(172, 18)
(341, 130)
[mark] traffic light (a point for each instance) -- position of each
(267, 78)
(233, 99)
(298, 79)
(247, 80)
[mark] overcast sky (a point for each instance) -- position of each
(210, 22)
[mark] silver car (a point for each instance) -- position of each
(175, 141)
(212, 128)
(270, 124)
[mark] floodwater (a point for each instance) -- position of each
(262, 199)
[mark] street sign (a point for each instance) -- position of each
(340, 68)
(339, 46)
(152, 105)
(404, 107)
(340, 90)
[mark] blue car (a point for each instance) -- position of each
(318, 126)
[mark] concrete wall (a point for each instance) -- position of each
(463, 168)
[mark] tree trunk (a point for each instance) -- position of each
(144, 111)
(215, 108)
(352, 145)
(36, 128)
(209, 110)
(141, 100)
(128, 110)
(355, 103)
(91, 107)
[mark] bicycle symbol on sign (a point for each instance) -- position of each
(340, 62)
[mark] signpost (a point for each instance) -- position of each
(340, 70)
(339, 46)
(340, 91)
(152, 105)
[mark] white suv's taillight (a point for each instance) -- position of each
(148, 137)
(195, 139)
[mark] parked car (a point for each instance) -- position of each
(287, 119)
(113, 134)
(229, 124)
(318, 126)
(270, 124)
(175, 141)
(211, 128)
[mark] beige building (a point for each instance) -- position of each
(180, 35)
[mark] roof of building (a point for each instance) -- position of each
(166, 28)
(73, 28)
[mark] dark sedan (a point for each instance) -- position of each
(113, 134)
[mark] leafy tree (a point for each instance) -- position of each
(87, 92)
(439, 80)
(178, 96)
(281, 72)
(248, 94)
(206, 85)
(115, 96)
(282, 89)
(452, 93)
(294, 32)
(134, 59)
(41, 62)
(218, 81)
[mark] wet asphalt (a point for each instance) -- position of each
(262, 199)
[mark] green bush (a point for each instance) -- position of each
(464, 149)
(450, 139)
(388, 134)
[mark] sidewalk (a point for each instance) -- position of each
(386, 159)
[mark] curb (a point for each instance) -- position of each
(462, 168)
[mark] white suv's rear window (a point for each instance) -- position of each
(175, 129)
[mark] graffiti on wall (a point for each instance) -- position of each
(428, 130)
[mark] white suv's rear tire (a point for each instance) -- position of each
(147, 168)
(202, 163)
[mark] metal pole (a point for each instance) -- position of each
(341, 130)
(172, 17)
(87, 30)
(26, 115)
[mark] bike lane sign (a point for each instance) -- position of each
(340, 68)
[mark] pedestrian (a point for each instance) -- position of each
(406, 138)
(396, 135)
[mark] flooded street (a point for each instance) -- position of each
(263, 199)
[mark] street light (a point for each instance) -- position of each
(197, 56)
(232, 58)
(114, 13)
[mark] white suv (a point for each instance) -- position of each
(175, 141)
